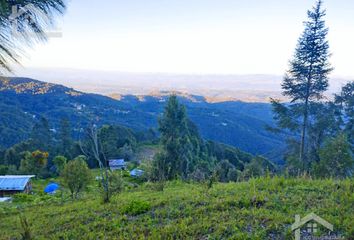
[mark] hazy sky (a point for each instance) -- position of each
(191, 36)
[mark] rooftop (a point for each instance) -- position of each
(14, 182)
(116, 162)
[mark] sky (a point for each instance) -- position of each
(190, 36)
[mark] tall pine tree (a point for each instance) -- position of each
(176, 158)
(307, 77)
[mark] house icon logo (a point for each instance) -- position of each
(27, 12)
(31, 14)
(310, 222)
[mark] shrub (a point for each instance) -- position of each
(155, 186)
(76, 175)
(34, 163)
(335, 158)
(198, 175)
(59, 162)
(3, 169)
(136, 207)
(115, 182)
(233, 175)
(23, 198)
(26, 233)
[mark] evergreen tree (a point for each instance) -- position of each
(115, 140)
(14, 155)
(323, 125)
(307, 78)
(66, 141)
(41, 135)
(59, 163)
(258, 166)
(336, 159)
(345, 103)
(176, 158)
(223, 170)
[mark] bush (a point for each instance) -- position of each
(76, 176)
(198, 175)
(3, 169)
(26, 228)
(222, 170)
(335, 159)
(155, 186)
(159, 186)
(34, 163)
(23, 198)
(233, 175)
(59, 163)
(136, 207)
(116, 182)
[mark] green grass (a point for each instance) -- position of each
(262, 208)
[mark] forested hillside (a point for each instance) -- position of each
(24, 101)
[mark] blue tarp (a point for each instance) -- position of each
(136, 172)
(51, 188)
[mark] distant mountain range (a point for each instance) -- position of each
(23, 101)
(214, 87)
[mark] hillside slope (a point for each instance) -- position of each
(259, 209)
(23, 101)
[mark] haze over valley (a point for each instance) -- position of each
(214, 87)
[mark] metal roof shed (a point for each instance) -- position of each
(11, 184)
(117, 164)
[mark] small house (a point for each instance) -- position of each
(117, 164)
(136, 172)
(10, 184)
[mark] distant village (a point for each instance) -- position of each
(14, 184)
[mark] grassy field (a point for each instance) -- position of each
(261, 208)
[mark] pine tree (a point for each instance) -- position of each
(65, 138)
(345, 103)
(307, 77)
(177, 153)
(41, 135)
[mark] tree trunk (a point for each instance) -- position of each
(304, 124)
(303, 136)
(106, 187)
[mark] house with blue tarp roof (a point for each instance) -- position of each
(12, 184)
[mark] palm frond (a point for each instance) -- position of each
(25, 28)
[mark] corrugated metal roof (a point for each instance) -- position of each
(116, 162)
(14, 183)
